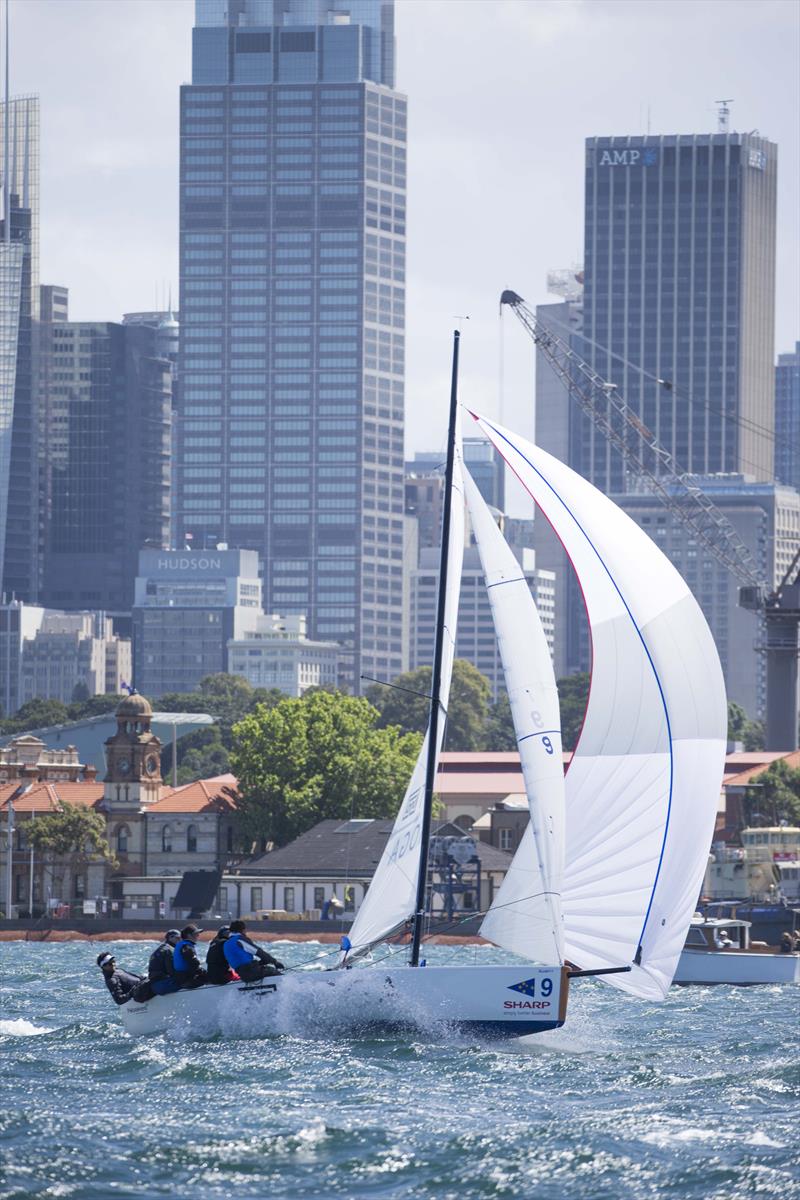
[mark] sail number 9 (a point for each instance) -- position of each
(548, 745)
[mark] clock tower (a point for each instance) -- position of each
(133, 757)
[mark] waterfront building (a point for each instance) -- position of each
(188, 606)
(293, 226)
(767, 518)
(20, 544)
(27, 758)
(107, 448)
(679, 298)
(275, 652)
(787, 418)
(476, 639)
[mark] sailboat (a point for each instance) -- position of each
(607, 874)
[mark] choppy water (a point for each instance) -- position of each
(693, 1098)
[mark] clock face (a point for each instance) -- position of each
(123, 766)
(151, 764)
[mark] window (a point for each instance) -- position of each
(349, 898)
(222, 900)
(191, 839)
(123, 833)
(504, 839)
(166, 839)
(319, 897)
(256, 899)
(288, 899)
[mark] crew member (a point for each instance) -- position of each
(186, 966)
(121, 984)
(217, 967)
(247, 959)
(160, 970)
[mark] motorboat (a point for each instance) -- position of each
(721, 951)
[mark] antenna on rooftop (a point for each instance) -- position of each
(723, 115)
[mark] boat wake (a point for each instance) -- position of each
(21, 1028)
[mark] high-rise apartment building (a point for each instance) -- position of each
(290, 435)
(108, 397)
(20, 535)
(679, 297)
(787, 418)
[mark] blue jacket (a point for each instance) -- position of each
(238, 953)
(184, 964)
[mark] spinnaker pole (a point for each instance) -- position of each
(436, 679)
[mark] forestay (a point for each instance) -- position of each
(391, 897)
(643, 786)
(526, 914)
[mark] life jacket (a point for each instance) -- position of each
(179, 965)
(237, 954)
(216, 963)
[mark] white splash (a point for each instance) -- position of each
(21, 1028)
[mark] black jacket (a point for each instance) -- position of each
(216, 962)
(160, 965)
(122, 984)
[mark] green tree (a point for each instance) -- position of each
(94, 706)
(500, 732)
(408, 709)
(69, 838)
(742, 729)
(35, 714)
(80, 692)
(301, 761)
(774, 796)
(573, 696)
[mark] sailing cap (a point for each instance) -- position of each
(190, 931)
(172, 933)
(104, 959)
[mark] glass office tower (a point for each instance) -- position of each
(680, 281)
(20, 539)
(787, 418)
(290, 430)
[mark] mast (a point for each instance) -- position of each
(436, 679)
(7, 148)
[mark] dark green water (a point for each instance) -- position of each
(695, 1099)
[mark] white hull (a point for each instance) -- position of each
(742, 967)
(483, 1000)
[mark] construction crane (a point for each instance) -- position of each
(680, 494)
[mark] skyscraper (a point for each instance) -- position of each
(787, 418)
(290, 435)
(680, 287)
(19, 310)
(107, 453)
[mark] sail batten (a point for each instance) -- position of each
(643, 784)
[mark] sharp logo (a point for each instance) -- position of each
(645, 157)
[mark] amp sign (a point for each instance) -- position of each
(645, 156)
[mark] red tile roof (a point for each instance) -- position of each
(204, 795)
(45, 797)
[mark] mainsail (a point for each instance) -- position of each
(644, 782)
(525, 916)
(391, 897)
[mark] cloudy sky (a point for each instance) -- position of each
(502, 94)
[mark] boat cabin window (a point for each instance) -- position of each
(695, 938)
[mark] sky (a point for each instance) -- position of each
(501, 94)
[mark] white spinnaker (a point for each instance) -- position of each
(644, 783)
(392, 893)
(525, 916)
